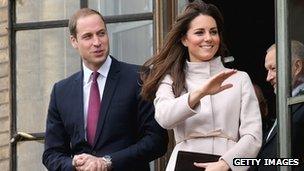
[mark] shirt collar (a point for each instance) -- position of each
(296, 90)
(103, 70)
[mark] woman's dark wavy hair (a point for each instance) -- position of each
(172, 56)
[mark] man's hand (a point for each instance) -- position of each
(86, 162)
(220, 165)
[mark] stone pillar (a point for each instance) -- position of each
(5, 102)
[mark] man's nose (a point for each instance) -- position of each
(269, 76)
(96, 41)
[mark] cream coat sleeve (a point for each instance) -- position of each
(250, 129)
(169, 110)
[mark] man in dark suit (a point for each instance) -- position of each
(97, 119)
(269, 147)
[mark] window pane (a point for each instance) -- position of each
(181, 5)
(297, 48)
(117, 7)
(43, 57)
(132, 41)
(296, 20)
(29, 156)
(44, 10)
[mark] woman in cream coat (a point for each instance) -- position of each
(211, 109)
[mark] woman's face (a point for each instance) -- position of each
(202, 38)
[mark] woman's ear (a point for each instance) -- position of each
(184, 41)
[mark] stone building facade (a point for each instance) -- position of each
(5, 90)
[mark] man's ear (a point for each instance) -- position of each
(298, 66)
(184, 41)
(73, 41)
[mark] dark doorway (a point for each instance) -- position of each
(249, 31)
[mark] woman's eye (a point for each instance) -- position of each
(199, 32)
(213, 32)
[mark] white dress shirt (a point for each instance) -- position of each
(87, 80)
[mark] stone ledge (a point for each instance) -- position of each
(3, 14)
(4, 97)
(4, 57)
(4, 110)
(5, 123)
(4, 152)
(3, 3)
(4, 83)
(3, 42)
(4, 69)
(4, 164)
(4, 138)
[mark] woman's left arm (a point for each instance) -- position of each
(250, 129)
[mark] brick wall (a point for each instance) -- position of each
(4, 88)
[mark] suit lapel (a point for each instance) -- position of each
(77, 92)
(295, 108)
(110, 86)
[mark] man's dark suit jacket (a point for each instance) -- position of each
(269, 147)
(127, 130)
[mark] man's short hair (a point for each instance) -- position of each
(83, 12)
(297, 49)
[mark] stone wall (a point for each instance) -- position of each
(4, 88)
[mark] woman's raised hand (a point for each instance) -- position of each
(212, 86)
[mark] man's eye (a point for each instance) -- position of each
(101, 33)
(86, 37)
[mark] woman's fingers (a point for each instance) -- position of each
(227, 73)
(200, 165)
(226, 86)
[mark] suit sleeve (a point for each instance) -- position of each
(297, 128)
(250, 129)
(152, 142)
(57, 153)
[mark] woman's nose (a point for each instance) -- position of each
(207, 37)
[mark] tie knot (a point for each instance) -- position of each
(95, 75)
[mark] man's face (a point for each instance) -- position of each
(91, 41)
(270, 65)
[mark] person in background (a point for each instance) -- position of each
(210, 108)
(266, 123)
(97, 119)
(269, 148)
